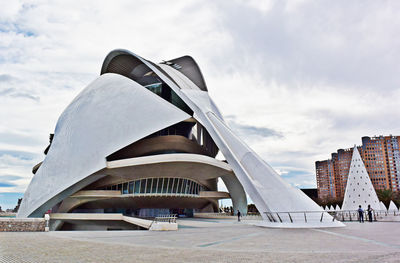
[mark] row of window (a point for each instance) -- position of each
(159, 186)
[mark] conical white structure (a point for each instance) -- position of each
(359, 189)
(392, 207)
(382, 206)
(337, 208)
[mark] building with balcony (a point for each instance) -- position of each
(381, 157)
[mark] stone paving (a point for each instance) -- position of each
(212, 240)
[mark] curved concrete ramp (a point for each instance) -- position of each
(105, 217)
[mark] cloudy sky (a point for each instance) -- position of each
(296, 79)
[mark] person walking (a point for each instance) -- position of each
(238, 214)
(360, 214)
(370, 213)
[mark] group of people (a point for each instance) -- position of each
(361, 214)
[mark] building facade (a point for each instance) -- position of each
(141, 140)
(381, 157)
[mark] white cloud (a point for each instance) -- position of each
(320, 74)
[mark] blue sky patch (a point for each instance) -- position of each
(9, 200)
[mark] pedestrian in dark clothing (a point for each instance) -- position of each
(238, 214)
(360, 214)
(370, 213)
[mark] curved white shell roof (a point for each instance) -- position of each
(115, 111)
(111, 113)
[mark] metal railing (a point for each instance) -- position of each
(353, 215)
(325, 216)
(299, 216)
(165, 218)
(224, 215)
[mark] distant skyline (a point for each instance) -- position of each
(299, 79)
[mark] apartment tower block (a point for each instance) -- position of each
(381, 157)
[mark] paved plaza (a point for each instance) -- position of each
(209, 240)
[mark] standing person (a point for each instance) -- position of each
(238, 214)
(370, 213)
(360, 214)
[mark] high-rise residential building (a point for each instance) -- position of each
(381, 156)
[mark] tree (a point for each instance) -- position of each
(385, 196)
(15, 210)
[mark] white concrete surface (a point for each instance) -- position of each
(359, 188)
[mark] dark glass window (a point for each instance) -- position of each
(154, 187)
(149, 185)
(159, 186)
(156, 88)
(142, 185)
(185, 186)
(137, 186)
(171, 181)
(125, 188)
(179, 188)
(191, 187)
(131, 186)
(165, 185)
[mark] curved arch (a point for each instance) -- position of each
(159, 145)
(93, 117)
(188, 67)
(123, 63)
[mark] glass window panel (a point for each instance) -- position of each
(119, 187)
(165, 185)
(179, 188)
(131, 186)
(191, 187)
(125, 188)
(149, 185)
(186, 186)
(174, 184)
(142, 186)
(154, 187)
(183, 187)
(114, 187)
(159, 186)
(137, 186)
(187, 191)
(171, 181)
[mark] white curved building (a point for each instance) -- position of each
(142, 138)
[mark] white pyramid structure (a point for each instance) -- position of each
(392, 207)
(382, 206)
(337, 208)
(359, 189)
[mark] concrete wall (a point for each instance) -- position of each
(22, 225)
